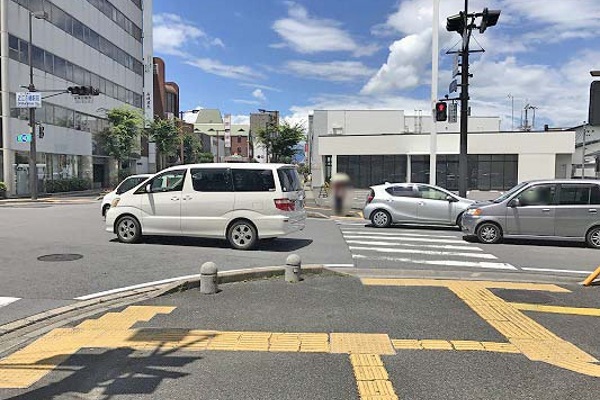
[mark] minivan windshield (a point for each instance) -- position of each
(290, 181)
(511, 192)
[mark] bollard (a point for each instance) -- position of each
(208, 278)
(293, 268)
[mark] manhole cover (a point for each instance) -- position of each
(60, 257)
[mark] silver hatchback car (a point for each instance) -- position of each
(552, 209)
(413, 203)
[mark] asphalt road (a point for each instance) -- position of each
(29, 231)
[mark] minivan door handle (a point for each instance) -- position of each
(593, 211)
(546, 210)
(174, 198)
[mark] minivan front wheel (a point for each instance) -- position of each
(489, 233)
(593, 237)
(381, 219)
(128, 230)
(242, 235)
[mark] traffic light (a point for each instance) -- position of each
(41, 131)
(83, 90)
(594, 115)
(488, 18)
(441, 111)
(456, 23)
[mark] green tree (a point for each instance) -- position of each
(282, 144)
(120, 139)
(166, 135)
(192, 148)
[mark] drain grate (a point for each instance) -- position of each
(60, 257)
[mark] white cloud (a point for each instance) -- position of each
(190, 116)
(258, 94)
(240, 119)
(306, 34)
(258, 86)
(335, 71)
(171, 34)
(215, 67)
(248, 102)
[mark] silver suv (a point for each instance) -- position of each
(413, 203)
(550, 209)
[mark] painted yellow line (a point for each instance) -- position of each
(372, 378)
(589, 312)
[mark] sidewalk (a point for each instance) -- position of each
(327, 337)
(87, 195)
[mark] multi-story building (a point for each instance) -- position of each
(264, 120)
(106, 44)
(210, 125)
(374, 146)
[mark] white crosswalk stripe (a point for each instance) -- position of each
(4, 301)
(412, 248)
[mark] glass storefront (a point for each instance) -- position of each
(51, 168)
(365, 171)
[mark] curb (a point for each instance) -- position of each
(136, 295)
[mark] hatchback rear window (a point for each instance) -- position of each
(289, 179)
(253, 180)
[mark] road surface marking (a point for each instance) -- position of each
(427, 246)
(446, 263)
(588, 312)
(424, 252)
(139, 286)
(454, 345)
(531, 338)
(562, 271)
(4, 301)
(403, 239)
(372, 379)
(401, 233)
(338, 265)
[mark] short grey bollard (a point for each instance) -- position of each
(208, 278)
(293, 268)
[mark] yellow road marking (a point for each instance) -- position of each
(454, 345)
(371, 377)
(589, 312)
(361, 343)
(531, 338)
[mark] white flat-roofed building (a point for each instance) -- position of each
(375, 146)
(106, 44)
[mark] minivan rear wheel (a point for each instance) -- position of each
(593, 237)
(489, 233)
(381, 219)
(242, 235)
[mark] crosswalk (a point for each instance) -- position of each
(4, 301)
(408, 248)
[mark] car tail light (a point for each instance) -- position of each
(285, 204)
(371, 196)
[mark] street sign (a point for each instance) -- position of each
(455, 70)
(24, 138)
(453, 113)
(29, 100)
(83, 99)
(453, 86)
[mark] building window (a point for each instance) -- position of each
(365, 171)
(171, 103)
(327, 168)
(239, 150)
(239, 139)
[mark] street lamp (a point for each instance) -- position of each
(217, 132)
(33, 190)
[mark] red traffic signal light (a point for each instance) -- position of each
(441, 111)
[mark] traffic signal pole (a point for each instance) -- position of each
(434, 92)
(33, 189)
(463, 171)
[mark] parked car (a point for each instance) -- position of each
(551, 209)
(241, 202)
(126, 184)
(392, 203)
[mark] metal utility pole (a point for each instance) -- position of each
(33, 190)
(512, 111)
(434, 91)
(583, 152)
(463, 171)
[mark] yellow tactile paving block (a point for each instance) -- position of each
(448, 283)
(436, 345)
(361, 343)
(371, 377)
(406, 344)
(588, 312)
(368, 389)
(366, 360)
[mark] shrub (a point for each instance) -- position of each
(68, 185)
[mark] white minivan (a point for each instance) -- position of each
(240, 202)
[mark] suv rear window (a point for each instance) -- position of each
(253, 180)
(289, 179)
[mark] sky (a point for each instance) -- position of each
(297, 56)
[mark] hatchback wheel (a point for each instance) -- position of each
(593, 237)
(128, 230)
(489, 233)
(242, 235)
(381, 219)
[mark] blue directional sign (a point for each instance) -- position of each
(24, 138)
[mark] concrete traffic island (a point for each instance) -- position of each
(328, 336)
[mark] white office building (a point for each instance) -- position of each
(375, 146)
(106, 44)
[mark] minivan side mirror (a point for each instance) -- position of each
(149, 188)
(514, 203)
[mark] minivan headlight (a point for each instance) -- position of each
(115, 202)
(474, 212)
